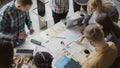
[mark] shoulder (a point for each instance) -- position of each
(6, 8)
(107, 2)
(109, 7)
(33, 66)
(112, 46)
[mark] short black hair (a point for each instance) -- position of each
(25, 2)
(6, 53)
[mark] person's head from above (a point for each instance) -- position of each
(113, 12)
(94, 5)
(104, 22)
(43, 60)
(108, 26)
(6, 53)
(94, 34)
(23, 5)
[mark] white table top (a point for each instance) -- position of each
(51, 39)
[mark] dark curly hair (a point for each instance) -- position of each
(43, 60)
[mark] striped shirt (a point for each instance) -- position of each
(13, 20)
(60, 6)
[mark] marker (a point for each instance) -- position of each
(36, 42)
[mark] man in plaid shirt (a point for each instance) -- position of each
(59, 9)
(13, 17)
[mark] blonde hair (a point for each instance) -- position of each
(99, 6)
(107, 5)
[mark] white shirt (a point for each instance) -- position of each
(93, 18)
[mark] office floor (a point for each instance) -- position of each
(48, 15)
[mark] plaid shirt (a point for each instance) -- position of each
(13, 20)
(60, 6)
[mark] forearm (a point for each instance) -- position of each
(28, 21)
(29, 25)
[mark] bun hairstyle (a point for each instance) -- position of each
(43, 60)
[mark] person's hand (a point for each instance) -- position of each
(22, 35)
(31, 31)
(82, 28)
(16, 59)
(63, 53)
(80, 40)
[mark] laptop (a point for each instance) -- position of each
(71, 21)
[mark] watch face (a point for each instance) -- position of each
(81, 2)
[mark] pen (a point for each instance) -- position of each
(61, 37)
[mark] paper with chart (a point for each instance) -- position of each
(55, 46)
(77, 51)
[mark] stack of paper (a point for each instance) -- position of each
(59, 27)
